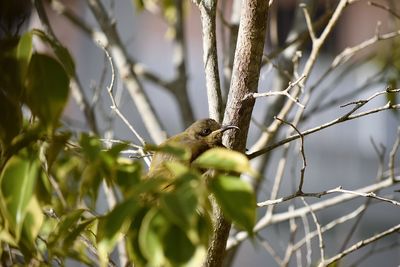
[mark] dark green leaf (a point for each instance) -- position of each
(128, 176)
(11, 119)
(47, 87)
(91, 146)
(177, 246)
(61, 52)
(154, 227)
(180, 205)
(236, 199)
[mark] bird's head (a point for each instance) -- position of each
(208, 131)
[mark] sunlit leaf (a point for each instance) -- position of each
(24, 52)
(33, 222)
(225, 160)
(17, 180)
(236, 199)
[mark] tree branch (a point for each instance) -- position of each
(208, 11)
(245, 75)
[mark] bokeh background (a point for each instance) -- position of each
(340, 155)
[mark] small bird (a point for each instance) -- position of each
(198, 137)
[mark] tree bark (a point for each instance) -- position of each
(245, 75)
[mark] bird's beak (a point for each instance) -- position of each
(228, 127)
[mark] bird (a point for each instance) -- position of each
(202, 135)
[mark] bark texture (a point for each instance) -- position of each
(245, 76)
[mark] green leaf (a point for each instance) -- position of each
(173, 149)
(17, 180)
(236, 199)
(112, 227)
(33, 222)
(128, 175)
(67, 222)
(180, 205)
(177, 246)
(225, 160)
(47, 87)
(24, 51)
(61, 52)
(153, 228)
(91, 146)
(11, 120)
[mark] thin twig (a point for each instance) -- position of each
(348, 116)
(295, 195)
(366, 194)
(308, 22)
(284, 216)
(361, 244)
(321, 240)
(307, 238)
(284, 92)
(388, 9)
(268, 247)
(114, 106)
(392, 156)
(289, 247)
(303, 155)
(309, 235)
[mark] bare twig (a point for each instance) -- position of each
(366, 194)
(295, 195)
(388, 9)
(309, 235)
(361, 244)
(284, 92)
(348, 116)
(303, 155)
(268, 247)
(289, 247)
(317, 43)
(321, 240)
(308, 22)
(392, 156)
(284, 216)
(114, 106)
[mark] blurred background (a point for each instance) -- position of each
(341, 155)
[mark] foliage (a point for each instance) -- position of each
(50, 181)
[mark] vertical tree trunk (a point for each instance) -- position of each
(245, 75)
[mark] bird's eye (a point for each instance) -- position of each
(205, 132)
